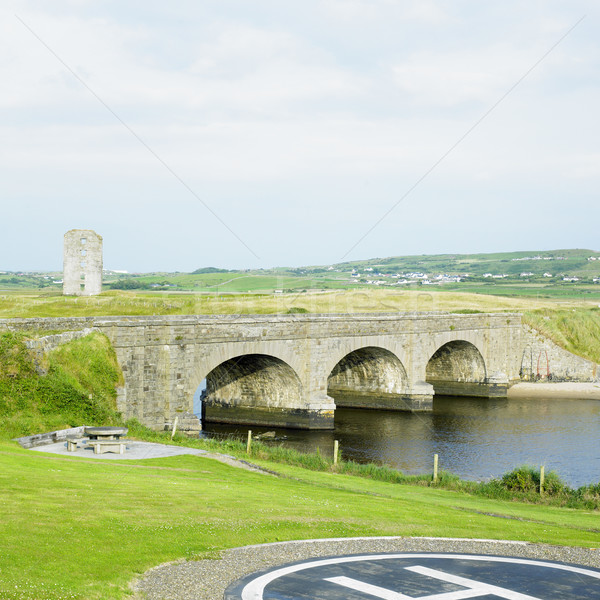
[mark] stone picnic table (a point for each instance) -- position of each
(107, 439)
(106, 433)
(102, 439)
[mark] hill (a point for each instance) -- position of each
(567, 273)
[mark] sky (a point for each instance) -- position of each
(268, 133)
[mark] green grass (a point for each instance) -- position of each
(74, 528)
(576, 330)
(79, 386)
(39, 304)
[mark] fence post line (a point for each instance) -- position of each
(249, 444)
(542, 469)
(336, 448)
(435, 468)
(174, 426)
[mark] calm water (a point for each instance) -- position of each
(475, 438)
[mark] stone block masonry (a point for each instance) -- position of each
(543, 360)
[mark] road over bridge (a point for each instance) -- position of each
(284, 369)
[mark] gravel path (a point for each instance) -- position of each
(208, 579)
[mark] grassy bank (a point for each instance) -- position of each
(79, 386)
(576, 329)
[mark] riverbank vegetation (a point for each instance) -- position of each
(522, 484)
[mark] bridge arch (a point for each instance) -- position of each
(251, 388)
(457, 368)
(368, 377)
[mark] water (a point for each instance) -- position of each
(475, 438)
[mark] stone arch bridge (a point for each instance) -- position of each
(284, 369)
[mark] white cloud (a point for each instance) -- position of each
(323, 103)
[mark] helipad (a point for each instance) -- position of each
(420, 576)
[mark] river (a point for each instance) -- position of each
(475, 438)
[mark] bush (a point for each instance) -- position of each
(526, 479)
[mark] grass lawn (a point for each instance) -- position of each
(77, 528)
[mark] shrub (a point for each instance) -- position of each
(526, 479)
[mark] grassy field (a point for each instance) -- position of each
(566, 274)
(40, 304)
(76, 528)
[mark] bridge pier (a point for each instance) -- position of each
(495, 386)
(316, 415)
(416, 398)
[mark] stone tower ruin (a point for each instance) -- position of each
(82, 263)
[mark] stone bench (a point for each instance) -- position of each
(102, 446)
(73, 441)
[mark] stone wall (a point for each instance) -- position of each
(39, 347)
(542, 359)
(47, 324)
(43, 439)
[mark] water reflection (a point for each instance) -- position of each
(475, 438)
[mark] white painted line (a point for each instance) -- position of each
(484, 589)
(367, 588)
(254, 589)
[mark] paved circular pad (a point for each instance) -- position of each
(420, 576)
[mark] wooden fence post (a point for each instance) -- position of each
(249, 444)
(336, 448)
(435, 468)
